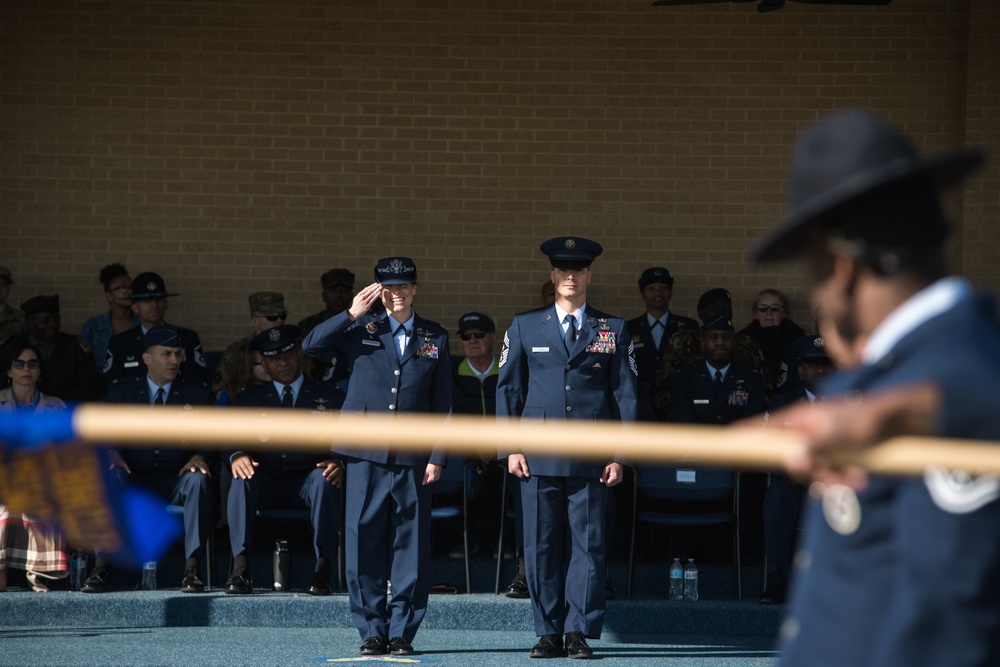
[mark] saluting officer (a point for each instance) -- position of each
(572, 345)
(400, 363)
(898, 571)
(285, 479)
(149, 302)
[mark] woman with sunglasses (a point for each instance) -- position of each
(774, 330)
(25, 543)
(99, 329)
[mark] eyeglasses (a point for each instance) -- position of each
(774, 308)
(467, 335)
(33, 364)
(282, 315)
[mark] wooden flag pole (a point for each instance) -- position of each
(255, 428)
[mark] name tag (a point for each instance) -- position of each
(131, 364)
(368, 341)
(701, 401)
(539, 349)
(685, 477)
(638, 346)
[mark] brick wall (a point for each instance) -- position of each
(239, 145)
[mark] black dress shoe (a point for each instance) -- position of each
(518, 587)
(191, 583)
(576, 646)
(97, 582)
(777, 588)
(320, 584)
(374, 646)
(548, 646)
(241, 583)
(399, 646)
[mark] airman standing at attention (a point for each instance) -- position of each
(564, 498)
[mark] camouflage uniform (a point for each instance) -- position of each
(11, 323)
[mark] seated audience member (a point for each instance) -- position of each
(125, 350)
(283, 478)
(267, 310)
(717, 389)
(26, 544)
(686, 347)
(99, 329)
(475, 393)
(774, 331)
(247, 369)
(180, 476)
(784, 497)
(69, 372)
(11, 318)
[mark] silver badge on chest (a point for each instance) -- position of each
(841, 509)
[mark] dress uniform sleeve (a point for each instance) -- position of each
(757, 402)
(624, 378)
(512, 381)
(681, 405)
(441, 395)
(325, 340)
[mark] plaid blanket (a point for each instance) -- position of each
(31, 545)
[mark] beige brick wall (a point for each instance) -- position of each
(238, 145)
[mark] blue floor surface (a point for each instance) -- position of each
(79, 646)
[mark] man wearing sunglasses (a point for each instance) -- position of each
(267, 310)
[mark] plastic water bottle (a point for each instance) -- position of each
(282, 566)
(149, 575)
(691, 581)
(676, 580)
(77, 570)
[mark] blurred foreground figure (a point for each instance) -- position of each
(894, 571)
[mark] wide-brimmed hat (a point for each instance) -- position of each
(847, 162)
(149, 285)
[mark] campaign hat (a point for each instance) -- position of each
(850, 170)
(149, 285)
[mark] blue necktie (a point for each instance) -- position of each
(286, 398)
(160, 398)
(570, 338)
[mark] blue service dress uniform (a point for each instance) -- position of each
(598, 380)
(157, 468)
(124, 356)
(872, 585)
(286, 478)
(694, 399)
(648, 355)
(387, 520)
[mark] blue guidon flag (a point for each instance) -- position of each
(48, 474)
